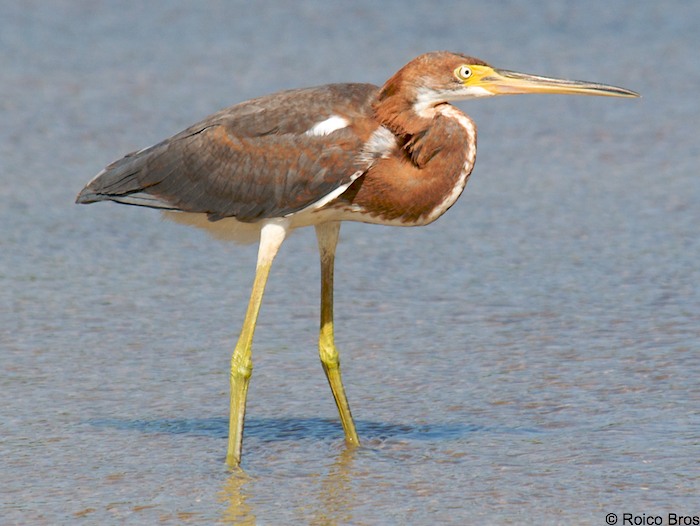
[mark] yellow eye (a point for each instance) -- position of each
(463, 72)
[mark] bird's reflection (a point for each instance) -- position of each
(234, 494)
(335, 495)
(334, 500)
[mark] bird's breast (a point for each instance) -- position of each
(412, 181)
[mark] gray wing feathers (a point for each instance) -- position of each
(250, 161)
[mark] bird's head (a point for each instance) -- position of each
(438, 77)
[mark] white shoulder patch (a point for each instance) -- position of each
(328, 126)
(380, 144)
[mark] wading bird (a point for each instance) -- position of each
(399, 155)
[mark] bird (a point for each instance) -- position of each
(398, 154)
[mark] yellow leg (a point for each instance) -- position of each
(327, 235)
(271, 237)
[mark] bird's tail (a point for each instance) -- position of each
(123, 182)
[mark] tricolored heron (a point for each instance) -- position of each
(399, 155)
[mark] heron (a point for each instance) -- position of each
(400, 154)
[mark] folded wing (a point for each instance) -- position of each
(268, 157)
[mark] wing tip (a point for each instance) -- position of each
(87, 196)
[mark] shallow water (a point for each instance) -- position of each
(531, 358)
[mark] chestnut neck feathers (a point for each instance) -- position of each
(405, 103)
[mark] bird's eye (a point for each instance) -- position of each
(464, 72)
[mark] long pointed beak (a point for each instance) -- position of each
(504, 82)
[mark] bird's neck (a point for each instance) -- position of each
(398, 111)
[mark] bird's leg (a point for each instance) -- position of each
(327, 235)
(271, 237)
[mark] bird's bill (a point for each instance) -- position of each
(504, 82)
